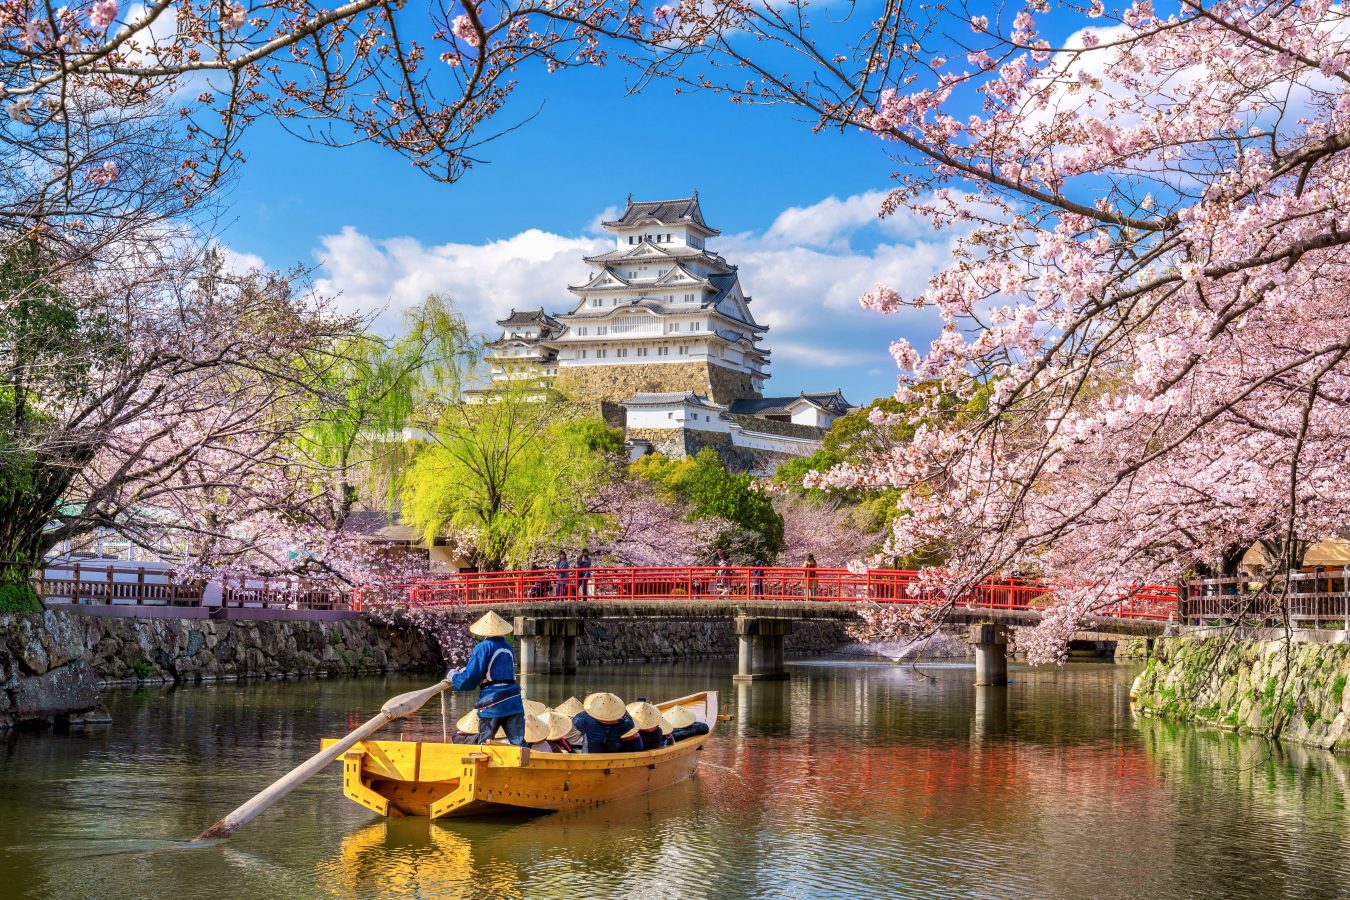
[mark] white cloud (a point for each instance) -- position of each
(805, 273)
(384, 277)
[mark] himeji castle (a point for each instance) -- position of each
(661, 336)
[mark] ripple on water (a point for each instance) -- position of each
(851, 780)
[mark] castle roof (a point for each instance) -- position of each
(529, 317)
(831, 401)
(684, 211)
(649, 251)
(666, 399)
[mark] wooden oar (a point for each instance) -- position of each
(395, 708)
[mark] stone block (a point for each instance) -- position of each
(67, 689)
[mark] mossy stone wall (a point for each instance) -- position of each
(1274, 688)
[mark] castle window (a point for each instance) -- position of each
(688, 298)
(642, 351)
(621, 352)
(600, 354)
(596, 301)
(583, 354)
(582, 331)
(602, 329)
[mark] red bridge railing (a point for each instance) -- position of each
(768, 584)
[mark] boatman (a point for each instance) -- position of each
(492, 670)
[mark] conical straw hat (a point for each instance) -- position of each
(666, 727)
(559, 726)
(604, 707)
(629, 734)
(536, 730)
(645, 715)
(491, 625)
(533, 707)
(468, 724)
(570, 707)
(680, 717)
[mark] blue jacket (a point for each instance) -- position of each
(602, 737)
(694, 730)
(491, 660)
(652, 739)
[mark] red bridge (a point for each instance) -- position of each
(741, 584)
(551, 606)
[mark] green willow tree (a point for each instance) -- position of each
(508, 475)
(354, 441)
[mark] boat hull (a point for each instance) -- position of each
(439, 780)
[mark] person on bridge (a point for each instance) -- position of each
(757, 577)
(583, 567)
(491, 669)
(809, 583)
(561, 564)
(603, 722)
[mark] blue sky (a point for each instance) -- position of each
(796, 211)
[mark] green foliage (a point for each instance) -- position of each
(713, 492)
(367, 393)
(19, 597)
(143, 669)
(509, 475)
(1338, 688)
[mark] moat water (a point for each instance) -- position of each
(854, 779)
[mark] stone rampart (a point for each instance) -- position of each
(617, 382)
(1291, 691)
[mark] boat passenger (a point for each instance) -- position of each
(569, 707)
(536, 734)
(685, 724)
(648, 720)
(466, 729)
(630, 741)
(603, 722)
(533, 707)
(492, 670)
(563, 736)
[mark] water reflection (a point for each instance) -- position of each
(852, 779)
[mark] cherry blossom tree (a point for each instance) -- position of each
(826, 529)
(1150, 212)
(638, 527)
(428, 85)
(158, 399)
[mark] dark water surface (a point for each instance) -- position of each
(854, 779)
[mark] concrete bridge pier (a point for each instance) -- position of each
(991, 653)
(548, 646)
(760, 648)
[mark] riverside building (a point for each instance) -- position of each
(662, 337)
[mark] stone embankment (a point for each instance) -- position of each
(630, 640)
(53, 665)
(1294, 692)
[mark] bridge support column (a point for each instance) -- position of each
(548, 646)
(991, 653)
(760, 648)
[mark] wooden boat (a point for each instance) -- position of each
(424, 778)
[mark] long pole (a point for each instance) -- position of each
(394, 708)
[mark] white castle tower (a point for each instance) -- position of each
(660, 312)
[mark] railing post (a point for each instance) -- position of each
(140, 585)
